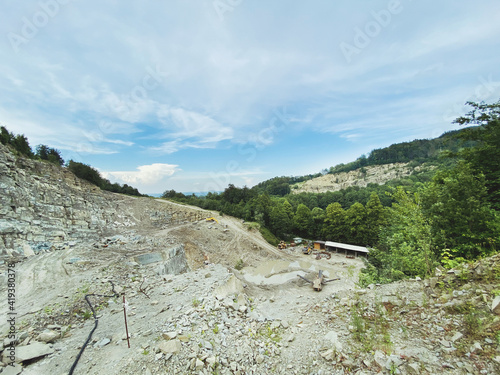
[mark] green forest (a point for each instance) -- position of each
(20, 145)
(443, 215)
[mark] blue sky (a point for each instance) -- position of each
(193, 95)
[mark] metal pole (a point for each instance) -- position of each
(125, 316)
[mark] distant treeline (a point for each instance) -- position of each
(43, 152)
(417, 151)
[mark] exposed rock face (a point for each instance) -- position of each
(377, 174)
(42, 205)
(176, 262)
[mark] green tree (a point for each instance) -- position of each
(406, 248)
(318, 219)
(263, 209)
(52, 155)
(279, 222)
(42, 152)
(485, 156)
(21, 144)
(335, 223)
(376, 218)
(288, 209)
(357, 224)
(462, 220)
(5, 136)
(302, 221)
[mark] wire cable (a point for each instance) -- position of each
(96, 322)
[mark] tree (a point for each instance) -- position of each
(288, 209)
(279, 222)
(262, 209)
(406, 243)
(357, 227)
(5, 136)
(462, 221)
(485, 156)
(42, 152)
(318, 219)
(20, 143)
(335, 223)
(52, 155)
(302, 221)
(376, 218)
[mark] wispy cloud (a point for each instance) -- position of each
(158, 78)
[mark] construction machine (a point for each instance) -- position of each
(282, 245)
(212, 219)
(307, 250)
(318, 282)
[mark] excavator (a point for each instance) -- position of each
(212, 219)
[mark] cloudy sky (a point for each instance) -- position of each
(194, 94)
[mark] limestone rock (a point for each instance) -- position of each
(48, 336)
(232, 287)
(170, 347)
(32, 351)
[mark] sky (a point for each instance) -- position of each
(192, 95)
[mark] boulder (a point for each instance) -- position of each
(48, 336)
(233, 286)
(170, 347)
(29, 352)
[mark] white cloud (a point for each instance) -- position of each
(146, 175)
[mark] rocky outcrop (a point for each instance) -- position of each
(42, 205)
(377, 174)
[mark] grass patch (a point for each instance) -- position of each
(239, 265)
(268, 236)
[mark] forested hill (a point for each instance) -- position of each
(412, 154)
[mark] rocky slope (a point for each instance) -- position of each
(377, 174)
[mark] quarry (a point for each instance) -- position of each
(211, 297)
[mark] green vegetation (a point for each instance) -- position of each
(239, 265)
(444, 213)
(20, 145)
(86, 172)
(371, 327)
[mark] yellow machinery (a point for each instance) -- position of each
(307, 250)
(212, 219)
(282, 245)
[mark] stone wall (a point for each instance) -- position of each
(43, 205)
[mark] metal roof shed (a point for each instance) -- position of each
(330, 245)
